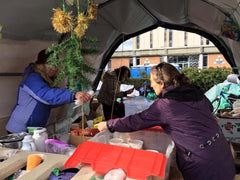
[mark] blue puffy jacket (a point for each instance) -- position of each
(34, 102)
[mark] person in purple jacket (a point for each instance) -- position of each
(185, 114)
(36, 96)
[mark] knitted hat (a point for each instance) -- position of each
(42, 57)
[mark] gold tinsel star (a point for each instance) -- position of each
(82, 25)
(82, 20)
(80, 31)
(62, 21)
(93, 11)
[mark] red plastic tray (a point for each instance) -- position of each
(137, 163)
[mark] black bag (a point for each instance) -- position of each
(119, 109)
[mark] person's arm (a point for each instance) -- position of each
(149, 118)
(38, 89)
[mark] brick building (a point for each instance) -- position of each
(164, 45)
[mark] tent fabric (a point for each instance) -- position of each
(28, 29)
(119, 20)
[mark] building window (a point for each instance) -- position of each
(137, 60)
(165, 37)
(172, 59)
(205, 61)
(132, 63)
(138, 42)
(185, 38)
(193, 60)
(207, 42)
(179, 61)
(201, 40)
(151, 39)
(183, 62)
(170, 37)
(161, 59)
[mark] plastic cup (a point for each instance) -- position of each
(115, 141)
(135, 143)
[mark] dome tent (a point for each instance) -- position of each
(118, 19)
(28, 29)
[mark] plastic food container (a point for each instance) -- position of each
(39, 136)
(135, 143)
(153, 139)
(31, 129)
(152, 150)
(55, 146)
(123, 145)
(116, 141)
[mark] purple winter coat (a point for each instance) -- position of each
(186, 115)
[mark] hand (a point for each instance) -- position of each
(83, 96)
(130, 91)
(101, 126)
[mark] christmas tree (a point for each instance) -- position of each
(69, 53)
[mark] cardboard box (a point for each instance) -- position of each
(235, 149)
(76, 140)
(78, 135)
(230, 127)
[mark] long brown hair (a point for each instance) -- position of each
(41, 70)
(169, 75)
(122, 70)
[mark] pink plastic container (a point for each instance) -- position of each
(55, 146)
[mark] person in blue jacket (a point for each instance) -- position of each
(36, 96)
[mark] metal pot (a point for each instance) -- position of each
(12, 145)
(13, 141)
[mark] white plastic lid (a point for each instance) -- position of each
(39, 130)
(27, 138)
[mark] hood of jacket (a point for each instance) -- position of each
(27, 69)
(182, 93)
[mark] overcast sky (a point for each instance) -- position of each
(127, 45)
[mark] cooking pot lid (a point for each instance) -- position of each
(11, 138)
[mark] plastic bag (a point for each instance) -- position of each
(115, 174)
(236, 104)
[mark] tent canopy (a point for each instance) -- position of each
(217, 20)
